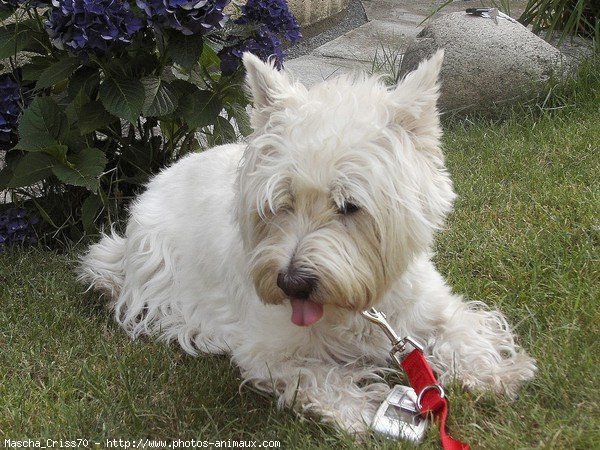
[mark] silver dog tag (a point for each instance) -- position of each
(398, 416)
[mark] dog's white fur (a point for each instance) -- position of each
(206, 240)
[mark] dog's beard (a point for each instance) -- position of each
(342, 255)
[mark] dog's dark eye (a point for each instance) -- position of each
(348, 208)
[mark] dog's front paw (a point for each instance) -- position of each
(505, 376)
(516, 371)
(478, 348)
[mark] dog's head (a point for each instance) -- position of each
(341, 185)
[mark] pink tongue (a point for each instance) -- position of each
(305, 312)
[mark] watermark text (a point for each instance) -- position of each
(139, 443)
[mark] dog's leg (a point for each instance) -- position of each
(477, 345)
(466, 340)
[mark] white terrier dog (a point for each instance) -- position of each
(270, 250)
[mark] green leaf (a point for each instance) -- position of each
(33, 167)
(32, 70)
(22, 35)
(75, 140)
(161, 98)
(241, 117)
(6, 175)
(14, 37)
(169, 126)
(151, 87)
(59, 152)
(43, 125)
(84, 170)
(93, 116)
(209, 59)
(136, 65)
(123, 97)
(74, 108)
(89, 213)
(183, 88)
(185, 50)
(57, 72)
(200, 108)
(12, 158)
(86, 79)
(5, 15)
(45, 216)
(223, 132)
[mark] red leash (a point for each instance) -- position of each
(431, 397)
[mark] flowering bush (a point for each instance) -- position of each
(16, 227)
(189, 17)
(91, 26)
(113, 90)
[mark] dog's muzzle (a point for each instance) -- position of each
(299, 289)
(295, 286)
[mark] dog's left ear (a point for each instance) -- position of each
(416, 96)
(265, 83)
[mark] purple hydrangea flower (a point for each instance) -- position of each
(274, 21)
(22, 213)
(16, 227)
(187, 16)
(11, 106)
(263, 43)
(17, 213)
(273, 14)
(91, 26)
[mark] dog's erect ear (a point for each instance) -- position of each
(416, 95)
(264, 81)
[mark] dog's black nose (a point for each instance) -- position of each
(295, 286)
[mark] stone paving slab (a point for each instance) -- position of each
(312, 69)
(427, 7)
(390, 11)
(367, 41)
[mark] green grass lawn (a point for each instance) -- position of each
(524, 238)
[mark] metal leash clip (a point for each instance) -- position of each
(398, 417)
(398, 344)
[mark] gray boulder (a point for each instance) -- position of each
(486, 64)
